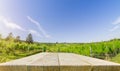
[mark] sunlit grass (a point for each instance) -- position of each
(116, 58)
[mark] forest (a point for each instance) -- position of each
(14, 48)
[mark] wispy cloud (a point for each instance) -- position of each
(10, 24)
(116, 25)
(39, 27)
(117, 21)
(114, 28)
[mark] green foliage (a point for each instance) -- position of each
(29, 38)
(10, 50)
(17, 39)
(13, 50)
(10, 37)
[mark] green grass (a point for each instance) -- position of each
(116, 59)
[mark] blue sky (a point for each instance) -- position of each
(61, 20)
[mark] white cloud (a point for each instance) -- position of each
(10, 25)
(117, 21)
(39, 27)
(114, 28)
(34, 32)
(14, 26)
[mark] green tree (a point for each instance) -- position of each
(29, 38)
(10, 37)
(17, 39)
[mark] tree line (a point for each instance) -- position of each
(29, 38)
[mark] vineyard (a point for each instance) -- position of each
(10, 50)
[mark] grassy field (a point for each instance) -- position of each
(108, 50)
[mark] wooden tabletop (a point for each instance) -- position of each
(59, 62)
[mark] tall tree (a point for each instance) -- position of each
(29, 38)
(10, 36)
(17, 39)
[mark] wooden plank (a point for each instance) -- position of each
(106, 68)
(48, 63)
(67, 59)
(94, 61)
(98, 64)
(13, 68)
(26, 60)
(51, 62)
(68, 62)
(35, 68)
(51, 68)
(75, 68)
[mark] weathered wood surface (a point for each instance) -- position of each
(59, 62)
